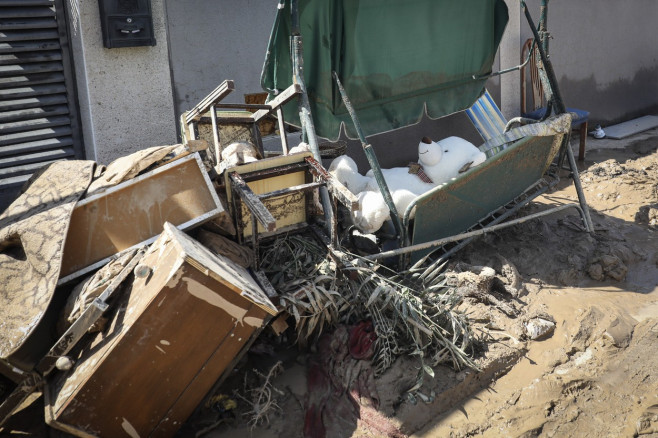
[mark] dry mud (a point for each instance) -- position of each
(594, 373)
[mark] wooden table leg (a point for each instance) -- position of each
(583, 137)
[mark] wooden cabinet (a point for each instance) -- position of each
(174, 335)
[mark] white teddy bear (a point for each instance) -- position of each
(439, 162)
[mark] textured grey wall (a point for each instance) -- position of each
(125, 96)
(605, 55)
(211, 41)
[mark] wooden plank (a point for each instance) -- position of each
(253, 203)
(215, 96)
(134, 212)
(342, 194)
(631, 127)
(34, 135)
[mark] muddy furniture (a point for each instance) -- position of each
(178, 330)
(132, 213)
(224, 123)
(433, 59)
(27, 382)
(275, 196)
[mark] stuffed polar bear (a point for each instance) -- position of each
(440, 162)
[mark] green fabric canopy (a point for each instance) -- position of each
(395, 58)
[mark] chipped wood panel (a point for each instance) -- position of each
(134, 212)
(172, 339)
(288, 209)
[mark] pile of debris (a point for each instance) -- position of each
(161, 320)
(130, 292)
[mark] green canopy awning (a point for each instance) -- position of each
(395, 58)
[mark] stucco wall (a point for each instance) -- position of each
(605, 55)
(125, 95)
(211, 41)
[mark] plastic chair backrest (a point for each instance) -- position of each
(487, 117)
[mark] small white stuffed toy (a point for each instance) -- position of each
(237, 153)
(372, 213)
(345, 170)
(301, 147)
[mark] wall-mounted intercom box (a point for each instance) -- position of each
(126, 23)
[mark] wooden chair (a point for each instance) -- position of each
(538, 108)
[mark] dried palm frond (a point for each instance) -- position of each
(262, 399)
(411, 316)
(306, 279)
(413, 312)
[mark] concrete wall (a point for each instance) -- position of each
(125, 95)
(211, 41)
(605, 55)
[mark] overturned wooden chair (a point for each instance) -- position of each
(224, 123)
(273, 195)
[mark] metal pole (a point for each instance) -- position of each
(455, 238)
(560, 107)
(374, 163)
(308, 129)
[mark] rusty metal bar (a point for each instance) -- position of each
(308, 128)
(443, 241)
(555, 99)
(339, 191)
(253, 203)
(374, 163)
(299, 188)
(508, 70)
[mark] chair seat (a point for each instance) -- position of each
(581, 115)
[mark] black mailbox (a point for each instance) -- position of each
(126, 23)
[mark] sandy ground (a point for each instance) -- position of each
(595, 374)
